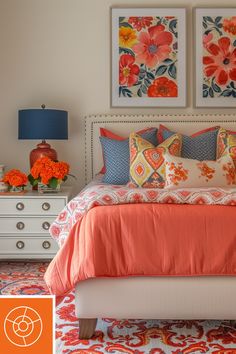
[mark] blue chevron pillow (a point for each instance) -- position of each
(117, 159)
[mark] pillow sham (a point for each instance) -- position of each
(200, 146)
(147, 168)
(109, 134)
(117, 158)
(226, 143)
(189, 173)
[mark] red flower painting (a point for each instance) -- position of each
(218, 57)
(148, 56)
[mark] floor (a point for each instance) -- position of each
(119, 336)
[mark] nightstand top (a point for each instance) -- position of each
(65, 192)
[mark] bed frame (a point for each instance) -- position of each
(151, 297)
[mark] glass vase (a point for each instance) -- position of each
(44, 188)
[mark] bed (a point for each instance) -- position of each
(163, 297)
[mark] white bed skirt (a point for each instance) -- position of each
(157, 298)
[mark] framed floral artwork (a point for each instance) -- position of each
(215, 57)
(148, 57)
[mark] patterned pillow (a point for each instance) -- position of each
(189, 173)
(109, 134)
(147, 168)
(199, 146)
(117, 159)
(226, 143)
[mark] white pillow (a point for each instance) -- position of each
(188, 173)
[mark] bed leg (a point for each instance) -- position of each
(87, 327)
(232, 323)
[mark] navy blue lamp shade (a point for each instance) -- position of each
(42, 124)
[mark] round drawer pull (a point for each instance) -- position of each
(46, 245)
(20, 206)
(20, 245)
(20, 225)
(46, 206)
(46, 225)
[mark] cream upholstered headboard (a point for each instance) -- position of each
(125, 124)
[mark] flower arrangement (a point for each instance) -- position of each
(15, 180)
(48, 172)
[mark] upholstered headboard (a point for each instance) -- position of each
(125, 124)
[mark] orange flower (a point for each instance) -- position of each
(163, 87)
(229, 25)
(206, 171)
(230, 173)
(179, 172)
(44, 169)
(15, 178)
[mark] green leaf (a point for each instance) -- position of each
(139, 93)
(125, 24)
(167, 61)
(172, 25)
(172, 71)
(205, 93)
(147, 82)
(215, 87)
(218, 19)
(121, 19)
(150, 76)
(126, 51)
(144, 89)
(53, 182)
(226, 93)
(161, 70)
(211, 92)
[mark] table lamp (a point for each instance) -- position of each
(42, 124)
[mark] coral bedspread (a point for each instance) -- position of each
(103, 236)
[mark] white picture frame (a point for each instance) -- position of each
(166, 57)
(213, 89)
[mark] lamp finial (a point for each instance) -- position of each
(43, 106)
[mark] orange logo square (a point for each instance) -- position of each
(27, 324)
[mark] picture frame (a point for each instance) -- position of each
(148, 57)
(215, 53)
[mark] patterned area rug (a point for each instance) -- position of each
(116, 336)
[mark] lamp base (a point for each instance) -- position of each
(43, 149)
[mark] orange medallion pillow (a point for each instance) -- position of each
(147, 165)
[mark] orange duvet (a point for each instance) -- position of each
(146, 240)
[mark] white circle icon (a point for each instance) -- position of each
(23, 326)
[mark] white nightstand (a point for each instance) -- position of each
(24, 223)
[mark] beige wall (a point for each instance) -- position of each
(57, 52)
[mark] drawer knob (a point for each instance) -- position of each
(46, 206)
(20, 245)
(20, 225)
(20, 206)
(46, 245)
(46, 225)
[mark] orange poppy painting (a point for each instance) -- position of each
(148, 62)
(216, 57)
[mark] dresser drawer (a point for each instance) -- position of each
(27, 246)
(25, 225)
(31, 206)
